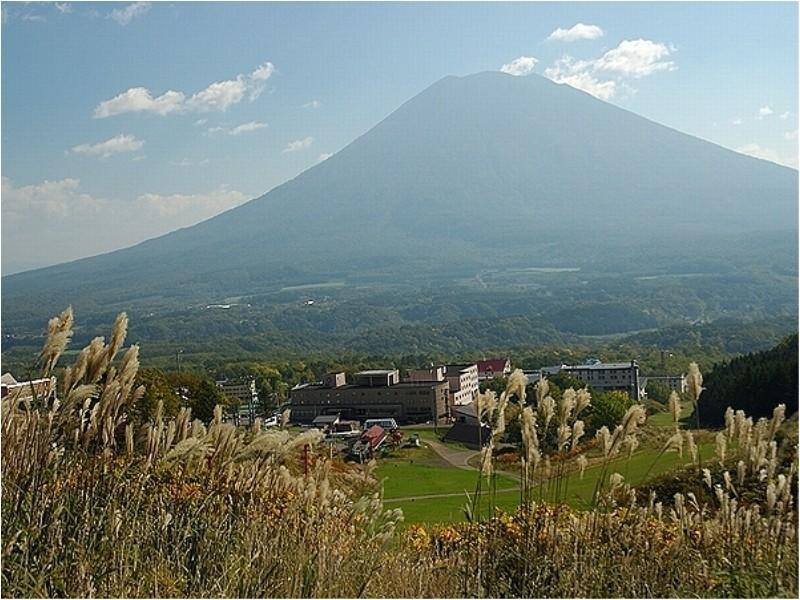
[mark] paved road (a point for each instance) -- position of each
(456, 458)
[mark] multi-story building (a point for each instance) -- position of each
(373, 394)
(601, 376)
(676, 383)
(463, 380)
(244, 391)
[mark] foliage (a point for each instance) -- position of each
(755, 383)
(94, 504)
(657, 391)
(608, 409)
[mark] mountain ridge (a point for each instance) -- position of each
(474, 171)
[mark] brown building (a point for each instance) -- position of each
(375, 394)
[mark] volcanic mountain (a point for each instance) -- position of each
(487, 170)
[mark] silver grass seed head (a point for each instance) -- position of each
(675, 407)
(517, 383)
(694, 381)
(59, 333)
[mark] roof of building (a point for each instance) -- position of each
(493, 364)
(355, 386)
(322, 419)
(460, 368)
(467, 434)
(598, 366)
(377, 372)
(8, 379)
(467, 409)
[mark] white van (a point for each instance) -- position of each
(385, 423)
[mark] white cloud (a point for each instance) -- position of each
(116, 145)
(578, 74)
(578, 31)
(55, 210)
(764, 111)
(324, 156)
(218, 96)
(604, 76)
(247, 127)
(785, 115)
(790, 135)
(523, 65)
(636, 58)
(758, 151)
(297, 145)
(200, 122)
(186, 162)
(123, 16)
(239, 129)
(263, 72)
(737, 121)
(47, 199)
(139, 100)
(312, 104)
(197, 207)
(33, 18)
(63, 7)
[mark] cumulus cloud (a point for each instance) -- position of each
(218, 96)
(790, 135)
(63, 7)
(123, 16)
(47, 199)
(578, 31)
(312, 104)
(139, 100)
(636, 58)
(737, 121)
(578, 74)
(201, 206)
(116, 145)
(520, 66)
(239, 129)
(56, 209)
(764, 111)
(606, 75)
(785, 115)
(298, 145)
(764, 153)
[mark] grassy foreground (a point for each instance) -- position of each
(95, 506)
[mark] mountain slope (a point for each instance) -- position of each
(474, 172)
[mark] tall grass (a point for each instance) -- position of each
(93, 506)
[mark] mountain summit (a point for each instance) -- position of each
(475, 171)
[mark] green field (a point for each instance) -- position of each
(404, 479)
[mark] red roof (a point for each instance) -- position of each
(496, 365)
(374, 436)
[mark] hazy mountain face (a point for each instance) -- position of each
(482, 171)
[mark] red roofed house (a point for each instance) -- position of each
(493, 367)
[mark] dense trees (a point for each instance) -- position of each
(755, 383)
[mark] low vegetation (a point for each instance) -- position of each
(95, 504)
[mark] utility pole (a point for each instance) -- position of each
(178, 353)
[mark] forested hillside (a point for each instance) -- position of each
(755, 383)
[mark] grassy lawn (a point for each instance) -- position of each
(410, 478)
(418, 477)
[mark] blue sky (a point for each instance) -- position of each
(123, 121)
